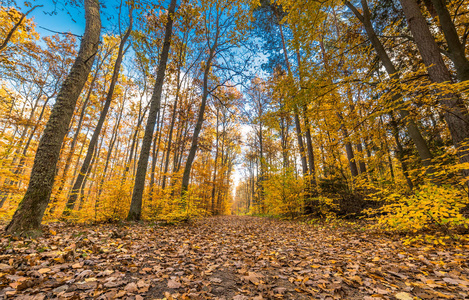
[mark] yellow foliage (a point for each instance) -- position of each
(430, 207)
(283, 195)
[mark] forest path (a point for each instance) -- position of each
(227, 258)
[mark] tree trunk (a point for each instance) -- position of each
(85, 167)
(455, 111)
(214, 179)
(200, 117)
(154, 157)
(400, 152)
(73, 144)
(348, 147)
(309, 142)
(27, 218)
(299, 134)
(455, 47)
(137, 194)
(156, 148)
(412, 129)
(115, 133)
(361, 163)
(170, 134)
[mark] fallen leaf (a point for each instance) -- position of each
(253, 277)
(403, 296)
(131, 287)
(44, 270)
(173, 284)
(216, 280)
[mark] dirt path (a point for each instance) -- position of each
(227, 258)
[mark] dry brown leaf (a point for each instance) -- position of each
(173, 284)
(403, 296)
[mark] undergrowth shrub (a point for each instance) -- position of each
(429, 209)
(325, 207)
(171, 209)
(283, 195)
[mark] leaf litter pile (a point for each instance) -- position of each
(227, 258)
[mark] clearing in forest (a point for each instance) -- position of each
(228, 258)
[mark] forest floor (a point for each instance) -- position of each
(228, 258)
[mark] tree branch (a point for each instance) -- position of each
(12, 31)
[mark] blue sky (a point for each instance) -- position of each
(56, 17)
(63, 17)
(60, 17)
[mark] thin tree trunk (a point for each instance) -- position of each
(110, 148)
(411, 127)
(81, 199)
(170, 134)
(94, 139)
(156, 147)
(400, 152)
(185, 137)
(348, 147)
(137, 194)
(200, 117)
(299, 135)
(19, 168)
(153, 165)
(361, 163)
(214, 179)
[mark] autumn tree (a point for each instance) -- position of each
(109, 97)
(223, 33)
(28, 216)
(137, 194)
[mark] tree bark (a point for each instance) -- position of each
(85, 167)
(455, 111)
(137, 194)
(27, 218)
(200, 117)
(411, 127)
(455, 47)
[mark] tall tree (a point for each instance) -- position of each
(454, 109)
(224, 24)
(155, 103)
(456, 47)
(27, 218)
(102, 117)
(411, 126)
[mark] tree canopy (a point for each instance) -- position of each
(182, 109)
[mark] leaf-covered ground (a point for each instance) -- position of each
(227, 258)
